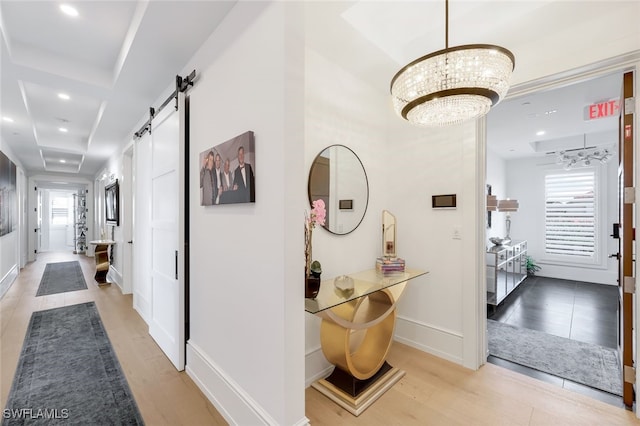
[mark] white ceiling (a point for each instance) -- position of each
(113, 61)
(513, 125)
(117, 57)
(374, 39)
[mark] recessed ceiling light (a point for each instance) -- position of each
(63, 129)
(64, 96)
(551, 111)
(69, 10)
(63, 160)
(7, 119)
(540, 133)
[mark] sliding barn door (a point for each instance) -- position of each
(167, 325)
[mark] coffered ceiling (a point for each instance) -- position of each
(73, 87)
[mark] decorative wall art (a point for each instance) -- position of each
(111, 203)
(8, 198)
(227, 172)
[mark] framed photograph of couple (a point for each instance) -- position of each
(227, 172)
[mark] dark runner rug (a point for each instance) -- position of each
(61, 277)
(592, 365)
(68, 373)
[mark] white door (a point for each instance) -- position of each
(142, 228)
(167, 325)
(127, 221)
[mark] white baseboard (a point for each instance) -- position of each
(316, 366)
(442, 343)
(7, 280)
(233, 402)
(142, 306)
(115, 277)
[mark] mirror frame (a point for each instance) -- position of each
(366, 181)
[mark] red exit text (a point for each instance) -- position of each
(603, 109)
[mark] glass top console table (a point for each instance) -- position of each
(356, 334)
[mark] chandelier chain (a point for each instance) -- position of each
(446, 24)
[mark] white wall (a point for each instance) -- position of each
(429, 162)
(246, 266)
(10, 244)
(525, 182)
(340, 109)
(114, 169)
(405, 166)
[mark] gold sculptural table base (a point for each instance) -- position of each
(356, 337)
(370, 392)
(101, 256)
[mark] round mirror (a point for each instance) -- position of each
(338, 178)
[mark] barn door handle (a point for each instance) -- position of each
(176, 264)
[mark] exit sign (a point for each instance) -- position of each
(602, 110)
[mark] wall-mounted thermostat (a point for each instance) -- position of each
(345, 204)
(447, 201)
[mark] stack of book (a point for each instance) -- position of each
(389, 264)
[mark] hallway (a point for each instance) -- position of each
(164, 396)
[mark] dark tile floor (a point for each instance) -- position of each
(576, 310)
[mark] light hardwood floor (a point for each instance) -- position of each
(434, 391)
(437, 392)
(164, 395)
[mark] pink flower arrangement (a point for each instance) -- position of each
(316, 217)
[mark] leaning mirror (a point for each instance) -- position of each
(388, 234)
(338, 178)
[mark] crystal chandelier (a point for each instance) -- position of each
(452, 85)
(585, 156)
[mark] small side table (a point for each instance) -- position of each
(102, 260)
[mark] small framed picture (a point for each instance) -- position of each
(227, 172)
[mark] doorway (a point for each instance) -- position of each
(576, 295)
(57, 220)
(59, 217)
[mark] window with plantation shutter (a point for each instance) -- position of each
(570, 214)
(60, 211)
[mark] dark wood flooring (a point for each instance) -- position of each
(573, 309)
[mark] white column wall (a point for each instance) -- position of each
(430, 162)
(246, 260)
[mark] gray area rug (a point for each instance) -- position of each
(585, 363)
(61, 277)
(68, 373)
